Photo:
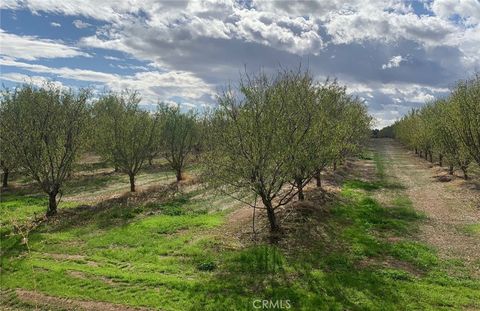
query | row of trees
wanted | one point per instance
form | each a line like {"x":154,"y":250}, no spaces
{"x":44,"y":130}
{"x":448,"y":127}
{"x":270,"y":136}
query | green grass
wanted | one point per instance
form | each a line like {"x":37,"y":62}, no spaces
{"x":20,"y":207}
{"x":472,"y":229}
{"x":360,"y":255}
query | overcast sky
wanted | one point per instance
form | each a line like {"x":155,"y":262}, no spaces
{"x":394,"y":54}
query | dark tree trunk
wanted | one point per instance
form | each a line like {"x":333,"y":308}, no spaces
{"x":426,"y":155}
{"x":420,"y":154}
{"x":464,"y":170}
{"x":299,"y":185}
{"x":440,"y":159}
{"x":272,"y":219}
{"x":318,"y":178}
{"x":416,"y":151}
{"x":450,"y":169}
{"x":52,"y":203}
{"x":150,"y":161}
{"x":430,"y":155}
{"x":5,"y":178}
{"x":132,"y":182}
{"x":334,"y":165}
{"x":179,"y":175}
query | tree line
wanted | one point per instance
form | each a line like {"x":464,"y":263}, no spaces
{"x":446,"y":127}
{"x":268,"y":136}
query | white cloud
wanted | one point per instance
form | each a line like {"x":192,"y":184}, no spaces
{"x":467,"y":10}
{"x":32,"y":48}
{"x":112,"y":58}
{"x":54,"y":24}
{"x":29,"y":79}
{"x":393,"y":62}
{"x":153,"y":85}
{"x":80,"y":24}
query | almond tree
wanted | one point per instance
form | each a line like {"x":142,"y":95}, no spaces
{"x":47,"y":126}
{"x":125,"y":133}
{"x":255,"y":140}
{"x":8,"y":158}
{"x":178,"y":136}
{"x":465,"y":100}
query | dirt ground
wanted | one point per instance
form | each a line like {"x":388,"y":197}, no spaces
{"x":449,"y":206}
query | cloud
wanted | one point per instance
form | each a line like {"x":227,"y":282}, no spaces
{"x":80,"y":24}
{"x":467,"y":10}
{"x":395,"y":54}
{"x":112,"y":58}
{"x":29,"y":79}
{"x":33,"y":48}
{"x":153,"y":85}
{"x":393,"y":62}
{"x":54,"y":24}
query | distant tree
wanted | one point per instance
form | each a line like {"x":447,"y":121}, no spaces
{"x":465,"y":101}
{"x":178,"y":136}
{"x":47,"y":127}
{"x":386,"y":132}
{"x":352,"y":128}
{"x":325,"y":112}
{"x":445,"y":126}
{"x":125,"y":133}
{"x":8,"y":158}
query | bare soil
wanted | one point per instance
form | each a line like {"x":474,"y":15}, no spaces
{"x":448,"y":205}
{"x":44,"y":301}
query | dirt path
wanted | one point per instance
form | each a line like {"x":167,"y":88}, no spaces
{"x":448,"y":206}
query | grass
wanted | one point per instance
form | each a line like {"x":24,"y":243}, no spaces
{"x":360,"y":255}
{"x":472,"y":229}
{"x":21,"y":207}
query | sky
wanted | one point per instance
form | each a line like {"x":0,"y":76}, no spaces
{"x":395,"y":55}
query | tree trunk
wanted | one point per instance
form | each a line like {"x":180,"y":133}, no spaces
{"x":420,"y":154}
{"x":464,"y":170}
{"x":132,"y":182}
{"x":150,"y":161}
{"x":299,"y":184}
{"x":450,"y":169}
{"x":426,"y":155}
{"x":440,"y":159}
{"x":334,"y":166}
{"x":179,"y":175}
{"x":318,"y":178}
{"x":5,"y":178}
{"x":430,"y":155}
{"x":416,"y":151}
{"x":52,"y":203}
{"x":272,"y":219}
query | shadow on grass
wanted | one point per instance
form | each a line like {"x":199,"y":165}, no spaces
{"x":354,"y":254}
{"x":113,"y":212}
{"x":107,"y":214}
